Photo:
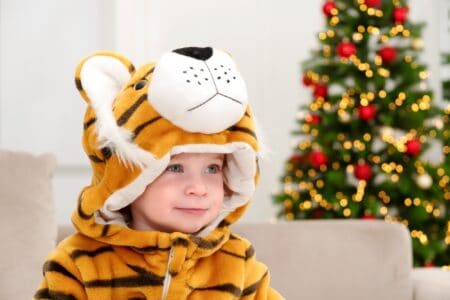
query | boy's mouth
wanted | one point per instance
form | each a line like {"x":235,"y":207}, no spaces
{"x":192,"y":211}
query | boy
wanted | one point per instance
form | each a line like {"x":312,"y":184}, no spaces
{"x":174,"y":157}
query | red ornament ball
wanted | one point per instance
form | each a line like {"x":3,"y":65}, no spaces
{"x":413,"y":147}
{"x":373,"y":3}
{"x":367,"y":113}
{"x":346,"y":49}
{"x":318,"y":159}
{"x":306,"y":80}
{"x":368,"y":216}
{"x":400,"y":14}
{"x":363,"y":171}
{"x":313,"y":119}
{"x":297,"y":158}
{"x":318,"y":214}
{"x":328,"y":7}
{"x":320,"y":90}
{"x":388,"y":54}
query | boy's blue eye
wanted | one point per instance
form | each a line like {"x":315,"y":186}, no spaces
{"x":213,"y":169}
{"x":176,"y":168}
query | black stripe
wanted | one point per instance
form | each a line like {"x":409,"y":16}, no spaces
{"x":234,"y":237}
{"x":95,"y":159}
{"x":106,"y":152}
{"x":54,"y":295}
{"x":233,"y":254}
{"x":131,"y":68}
{"x":242,"y":129}
{"x":205,"y":244}
{"x":143,"y":125}
{"x":149,"y":72}
{"x":81,"y":213}
{"x":78,"y":84}
{"x":89,"y":123}
{"x":53,"y":266}
{"x":180,"y":242}
{"x":129,"y":112}
{"x":249,"y":252}
{"x":247,"y":114}
{"x":149,"y":279}
{"x":252,"y":288}
{"x":147,"y":274}
{"x":227,"y":287}
{"x":223,"y":223}
{"x":142,"y":78}
{"x":150,"y":249}
{"x":105,"y":230}
{"x":91,"y":253}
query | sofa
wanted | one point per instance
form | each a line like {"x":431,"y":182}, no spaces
{"x":313,"y":260}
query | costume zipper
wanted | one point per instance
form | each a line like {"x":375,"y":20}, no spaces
{"x":168,"y":277}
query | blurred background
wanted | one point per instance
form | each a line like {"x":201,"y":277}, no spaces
{"x":41,"y":42}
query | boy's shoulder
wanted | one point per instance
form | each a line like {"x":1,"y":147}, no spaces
{"x":78,"y":242}
{"x":238,"y":246}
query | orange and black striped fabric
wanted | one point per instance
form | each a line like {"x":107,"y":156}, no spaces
{"x":127,"y":142}
{"x":222,"y":266}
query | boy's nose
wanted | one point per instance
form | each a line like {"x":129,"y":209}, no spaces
{"x":196,"y":187}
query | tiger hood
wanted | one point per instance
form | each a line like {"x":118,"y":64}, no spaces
{"x":191,"y":100}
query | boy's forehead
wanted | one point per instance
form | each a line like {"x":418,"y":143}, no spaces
{"x":186,"y":156}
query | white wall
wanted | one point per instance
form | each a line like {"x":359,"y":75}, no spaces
{"x":41,"y":43}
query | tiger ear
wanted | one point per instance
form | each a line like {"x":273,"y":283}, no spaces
{"x":100,"y":76}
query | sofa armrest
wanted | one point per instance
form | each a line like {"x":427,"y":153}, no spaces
{"x":431,"y":284}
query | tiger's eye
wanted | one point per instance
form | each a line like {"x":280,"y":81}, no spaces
{"x":140,"y":84}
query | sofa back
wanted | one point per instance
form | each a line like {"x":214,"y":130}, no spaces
{"x":335,"y":259}
{"x":331,"y":259}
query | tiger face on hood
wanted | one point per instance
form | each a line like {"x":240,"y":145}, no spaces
{"x":193,"y":100}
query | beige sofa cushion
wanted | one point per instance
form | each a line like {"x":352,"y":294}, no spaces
{"x":335,"y":259}
{"x":27,"y":219}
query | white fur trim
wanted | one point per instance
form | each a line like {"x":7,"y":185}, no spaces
{"x":196,"y":95}
{"x":102,"y":77}
{"x":239,"y":176}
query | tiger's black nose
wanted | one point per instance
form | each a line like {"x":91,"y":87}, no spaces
{"x":196,"y":52}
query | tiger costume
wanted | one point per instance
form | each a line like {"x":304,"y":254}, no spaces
{"x":192,"y":100}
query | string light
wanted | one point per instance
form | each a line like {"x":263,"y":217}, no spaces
{"x":347,"y":212}
{"x":373,"y":30}
{"x":384,"y":39}
{"x":359,"y":191}
{"x":357,"y":36}
{"x":334,"y":20}
{"x":422,"y":237}
{"x":408,"y":202}
{"x":382,"y":94}
{"x":384,"y":72}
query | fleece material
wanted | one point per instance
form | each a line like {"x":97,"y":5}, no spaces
{"x":129,"y":134}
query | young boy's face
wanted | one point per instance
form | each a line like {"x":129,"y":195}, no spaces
{"x":187,"y":196}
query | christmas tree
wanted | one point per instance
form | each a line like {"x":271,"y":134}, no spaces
{"x":359,"y":150}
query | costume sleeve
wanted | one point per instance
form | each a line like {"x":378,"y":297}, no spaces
{"x":61,"y":280}
{"x":257,"y":281}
